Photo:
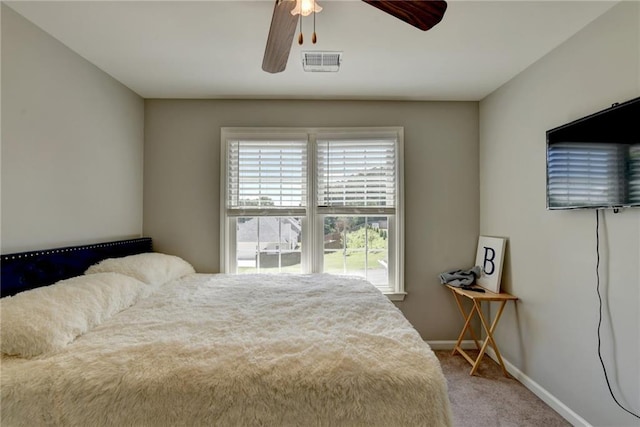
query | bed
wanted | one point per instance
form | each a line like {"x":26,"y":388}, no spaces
{"x":143,"y":340}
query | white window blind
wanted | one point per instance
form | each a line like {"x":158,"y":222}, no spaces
{"x":356,"y":173}
{"x":266,"y":174}
{"x":586,"y":174}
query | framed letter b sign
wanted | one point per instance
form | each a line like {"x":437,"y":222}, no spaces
{"x":489,"y":257}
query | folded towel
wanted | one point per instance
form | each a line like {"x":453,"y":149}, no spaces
{"x":461,"y":278}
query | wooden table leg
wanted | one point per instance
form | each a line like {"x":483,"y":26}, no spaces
{"x":458,"y":348}
{"x":489,"y":340}
{"x":467,"y":325}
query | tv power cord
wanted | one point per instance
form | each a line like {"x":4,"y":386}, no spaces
{"x":604,"y":369}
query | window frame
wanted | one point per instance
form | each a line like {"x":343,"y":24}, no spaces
{"x":312,"y":237}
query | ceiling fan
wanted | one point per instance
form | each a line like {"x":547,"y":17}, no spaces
{"x":422,"y":14}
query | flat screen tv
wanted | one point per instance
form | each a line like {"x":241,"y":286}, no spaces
{"x":594,"y":162}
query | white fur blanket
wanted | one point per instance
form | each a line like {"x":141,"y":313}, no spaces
{"x":282,"y":350}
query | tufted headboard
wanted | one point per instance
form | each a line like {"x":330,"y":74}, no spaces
{"x":28,"y":270}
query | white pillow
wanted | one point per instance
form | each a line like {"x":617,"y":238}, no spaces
{"x":152,"y":268}
{"x":46,"y":319}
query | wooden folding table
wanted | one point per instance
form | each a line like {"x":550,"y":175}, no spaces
{"x":478,"y":298}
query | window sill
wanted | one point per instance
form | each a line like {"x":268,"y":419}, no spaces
{"x":396,"y":296}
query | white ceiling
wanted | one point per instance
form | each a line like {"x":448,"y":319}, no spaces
{"x":214,"y":49}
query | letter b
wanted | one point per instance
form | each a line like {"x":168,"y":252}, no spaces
{"x":489,"y":256}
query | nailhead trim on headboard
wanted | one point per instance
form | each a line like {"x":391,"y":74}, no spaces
{"x":28,"y":270}
{"x":71,"y":249}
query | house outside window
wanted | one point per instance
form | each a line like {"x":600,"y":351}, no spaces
{"x":314,"y":201}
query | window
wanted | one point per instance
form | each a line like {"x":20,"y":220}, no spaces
{"x":314,"y":200}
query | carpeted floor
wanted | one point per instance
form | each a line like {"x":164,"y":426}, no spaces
{"x":490,"y":399}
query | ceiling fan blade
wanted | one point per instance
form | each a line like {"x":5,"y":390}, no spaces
{"x":422,"y":14}
{"x":283,"y":27}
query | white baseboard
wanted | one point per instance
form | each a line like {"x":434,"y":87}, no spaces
{"x":538,"y":390}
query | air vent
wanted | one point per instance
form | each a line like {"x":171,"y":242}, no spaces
{"x":316,"y":61}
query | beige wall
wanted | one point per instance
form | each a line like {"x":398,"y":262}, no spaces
{"x":72,"y":141}
{"x":181,"y":194}
{"x":551,"y":257}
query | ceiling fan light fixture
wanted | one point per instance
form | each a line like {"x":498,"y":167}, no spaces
{"x":421,"y":14}
{"x":306,"y":7}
